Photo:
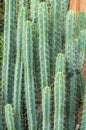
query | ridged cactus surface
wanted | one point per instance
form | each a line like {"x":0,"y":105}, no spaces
{"x":42,"y":55}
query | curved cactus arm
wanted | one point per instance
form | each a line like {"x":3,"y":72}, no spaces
{"x":43,"y":44}
{"x":18,"y":68}
{"x":81,"y":21}
{"x":60,"y":63}
{"x":9,"y":117}
{"x":81,"y":49}
{"x":72,"y":102}
{"x":9,"y":29}
{"x":28,"y":76}
{"x":34,"y":9}
{"x":70,"y":44}
{"x":46,"y":107}
{"x":59,"y":100}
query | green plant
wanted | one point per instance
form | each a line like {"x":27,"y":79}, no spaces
{"x":59,"y":99}
{"x":28,"y":76}
{"x":43,"y":44}
{"x":22,"y":16}
{"x":9,"y":117}
{"x":46,"y":107}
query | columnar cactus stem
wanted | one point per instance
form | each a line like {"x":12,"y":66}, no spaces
{"x":43,"y":44}
{"x":46,"y":108}
{"x":1,"y":59}
{"x":83,"y":121}
{"x":9,"y":44}
{"x":70,"y":45}
{"x":81,"y":21}
{"x":59,"y":99}
{"x":72,"y":103}
{"x":81,"y":49}
{"x":60,"y":63}
{"x":28,"y":76}
{"x":34,"y":9}
{"x":9,"y":117}
{"x":18,"y":68}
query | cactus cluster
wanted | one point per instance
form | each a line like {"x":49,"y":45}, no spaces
{"x":42,"y":64}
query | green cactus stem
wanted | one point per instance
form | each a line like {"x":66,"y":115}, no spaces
{"x":22,"y":16}
{"x":9,"y":44}
{"x":70,"y":45}
{"x":43,"y":44}
{"x":9,"y":117}
{"x":59,"y":99}
{"x":81,"y":21}
{"x":28,"y":76}
{"x":46,"y":108}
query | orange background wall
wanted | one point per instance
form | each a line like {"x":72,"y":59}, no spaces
{"x":78,"y":5}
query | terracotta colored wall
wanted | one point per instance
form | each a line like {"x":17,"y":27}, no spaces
{"x":78,"y":5}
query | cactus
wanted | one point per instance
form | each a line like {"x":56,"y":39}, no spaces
{"x":81,"y":49}
{"x":59,"y":99}
{"x":34,"y":10}
{"x":9,"y":117}
{"x":28,"y":76}
{"x":83,"y":121}
{"x":19,"y":66}
{"x":46,"y":107}
{"x":60,"y":63}
{"x":43,"y":44}
{"x":72,"y":102}
{"x":9,"y":43}
{"x":70,"y":45}
{"x":81,"y":21}
{"x":1,"y":59}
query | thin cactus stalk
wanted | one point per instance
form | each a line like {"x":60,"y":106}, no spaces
{"x":81,"y":21}
{"x":55,"y":32}
{"x":60,"y":63}
{"x":59,"y":100}
{"x":81,"y":49}
{"x":36,"y":63}
{"x":28,"y":76}
{"x":9,"y":117}
{"x":18,"y":68}
{"x":34,"y":10}
{"x":8,"y":61}
{"x":83,"y":121}
{"x":70,"y":45}
{"x":72,"y":102}
{"x":1,"y":60}
{"x":43,"y":44}
{"x":46,"y":107}
{"x":23,"y":3}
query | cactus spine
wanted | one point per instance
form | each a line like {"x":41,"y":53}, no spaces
{"x":9,"y":117}
{"x":43,"y":44}
{"x":46,"y":107}
{"x":18,"y":68}
{"x":28,"y":76}
{"x":59,"y":99}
